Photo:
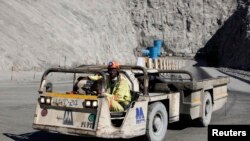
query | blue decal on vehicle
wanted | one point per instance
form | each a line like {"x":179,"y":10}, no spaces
{"x":139,"y":115}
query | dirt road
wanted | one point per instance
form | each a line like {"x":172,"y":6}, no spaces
{"x":17,"y":105}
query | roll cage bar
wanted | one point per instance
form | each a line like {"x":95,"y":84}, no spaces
{"x":96,"y":69}
{"x":99,"y":69}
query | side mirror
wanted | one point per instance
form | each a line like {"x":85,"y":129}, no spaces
{"x":49,"y":87}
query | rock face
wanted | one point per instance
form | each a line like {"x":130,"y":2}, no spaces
{"x":230,"y":44}
{"x":184,"y":25}
{"x":43,"y":33}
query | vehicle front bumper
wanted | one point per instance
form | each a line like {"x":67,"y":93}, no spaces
{"x":64,"y":130}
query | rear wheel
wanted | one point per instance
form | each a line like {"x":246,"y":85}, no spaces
{"x":207,"y":109}
{"x":157,"y":122}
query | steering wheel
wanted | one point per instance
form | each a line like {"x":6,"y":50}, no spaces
{"x":88,"y":91}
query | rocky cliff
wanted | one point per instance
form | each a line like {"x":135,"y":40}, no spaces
{"x":45,"y":33}
{"x":185,"y":25}
{"x":230,"y":45}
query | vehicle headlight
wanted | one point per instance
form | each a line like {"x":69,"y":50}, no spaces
{"x":94,"y":104}
{"x":42,"y":100}
{"x":87,"y":103}
{"x":48,"y":100}
{"x":45,"y":100}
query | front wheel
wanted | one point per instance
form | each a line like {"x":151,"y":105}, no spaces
{"x":207,"y":109}
{"x":157,"y":122}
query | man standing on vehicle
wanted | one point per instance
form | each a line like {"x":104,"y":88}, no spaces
{"x":118,"y":91}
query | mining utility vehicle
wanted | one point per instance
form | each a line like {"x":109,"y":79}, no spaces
{"x":70,"y":103}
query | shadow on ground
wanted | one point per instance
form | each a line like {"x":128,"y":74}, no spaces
{"x":185,"y":122}
{"x":45,"y":136}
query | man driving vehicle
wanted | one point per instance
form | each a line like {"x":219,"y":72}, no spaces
{"x":118,"y":91}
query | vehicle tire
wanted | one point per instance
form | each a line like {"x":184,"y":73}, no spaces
{"x":207,"y":109}
{"x":157,"y":122}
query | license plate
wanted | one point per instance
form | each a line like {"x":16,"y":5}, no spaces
{"x":72,"y":103}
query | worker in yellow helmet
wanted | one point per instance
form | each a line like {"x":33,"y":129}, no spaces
{"x":118,"y":91}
